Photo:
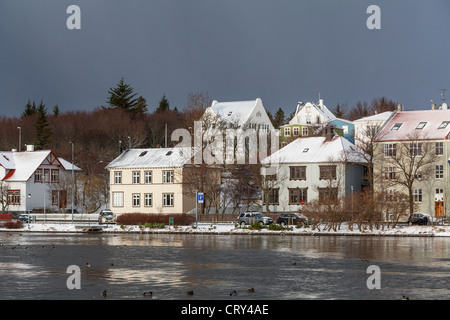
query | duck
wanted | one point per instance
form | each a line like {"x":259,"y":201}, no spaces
{"x":148,"y":294}
{"x":251,"y":290}
{"x":111,"y":264}
{"x":405,"y":298}
{"x":234,"y":293}
{"x":88,"y":265}
{"x":365,"y":261}
{"x":104,"y":293}
{"x":190,"y":293}
{"x":295,"y":263}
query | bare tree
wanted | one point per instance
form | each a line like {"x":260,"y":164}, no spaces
{"x":404,"y":163}
{"x":4,"y":188}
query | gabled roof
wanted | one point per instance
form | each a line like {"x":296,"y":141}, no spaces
{"x":319,"y":107}
{"x":376,"y":117}
{"x":22,"y":164}
{"x":416,"y":125}
{"x":152,"y":158}
{"x":317,"y":150}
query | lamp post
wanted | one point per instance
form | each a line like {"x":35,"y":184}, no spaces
{"x":20,"y":137}
{"x":73,"y":180}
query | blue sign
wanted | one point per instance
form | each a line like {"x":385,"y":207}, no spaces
{"x":199,"y":197}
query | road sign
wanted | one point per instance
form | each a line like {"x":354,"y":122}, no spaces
{"x":199,"y":197}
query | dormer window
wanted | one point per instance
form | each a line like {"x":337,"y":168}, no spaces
{"x":443,"y":125}
{"x":421,"y":125}
{"x":396,"y":126}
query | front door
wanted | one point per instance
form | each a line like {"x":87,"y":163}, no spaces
{"x":439,"y":208}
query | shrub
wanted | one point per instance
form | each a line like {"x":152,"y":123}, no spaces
{"x":12,"y":224}
{"x":157,"y":220}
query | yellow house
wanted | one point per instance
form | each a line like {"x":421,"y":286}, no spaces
{"x":150,"y":181}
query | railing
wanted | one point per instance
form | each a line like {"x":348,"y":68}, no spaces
{"x":63,"y":217}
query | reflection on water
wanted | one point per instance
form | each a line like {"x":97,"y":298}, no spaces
{"x":278,"y":267}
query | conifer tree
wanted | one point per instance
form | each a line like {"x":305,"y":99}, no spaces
{"x":30,"y":109}
{"x":278,"y":118}
{"x":56,"y":111}
{"x":122,"y":96}
{"x":163,"y":105}
{"x":43,"y":131}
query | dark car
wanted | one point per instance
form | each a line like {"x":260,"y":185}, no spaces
{"x":24,"y":217}
{"x":419,"y":218}
{"x":292,"y":218}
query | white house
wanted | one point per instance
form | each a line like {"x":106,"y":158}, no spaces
{"x":33,"y":180}
{"x":366,"y":128}
{"x":242,"y":114}
{"x":311,"y":113}
{"x":313,"y":168}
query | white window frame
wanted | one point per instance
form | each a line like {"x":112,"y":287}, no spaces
{"x":168,"y":199}
{"x":117,"y":199}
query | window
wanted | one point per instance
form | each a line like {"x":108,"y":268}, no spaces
{"x":304,"y":131}
{"x":272,"y":196}
{"x":327,"y":194}
{"x":287,"y":131}
{"x":390,"y":150}
{"x":148,"y":199}
{"x":443,"y":125}
{"x":117,"y":177}
{"x":117,"y":199}
{"x":167,"y":199}
{"x":415,"y":149}
{"x":298,"y":196}
{"x":14,"y":197}
{"x":390,"y":195}
{"x":136,"y":177}
{"x":297,"y":173}
{"x":327,"y":172}
{"x":439,"y":171}
{"x":168,"y":176}
{"x":38,"y":176}
{"x":389,"y":173}
{"x":439,"y":148}
{"x":421,"y":125}
{"x":136,"y":200}
{"x":295,"y":131}
{"x":396,"y":126}
{"x":46,"y":175}
{"x":417,"y":195}
{"x":55,"y":176}
{"x":345,"y":128}
{"x":148,"y":177}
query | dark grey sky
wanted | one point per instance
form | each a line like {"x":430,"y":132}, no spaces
{"x":281,"y":51}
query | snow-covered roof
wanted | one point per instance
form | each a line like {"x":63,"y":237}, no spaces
{"x":22,"y":164}
{"x":319,"y":107}
{"x":317,"y":150}
{"x":237,"y":112}
{"x":416,"y":125}
{"x":152,"y":158}
{"x":376,"y":117}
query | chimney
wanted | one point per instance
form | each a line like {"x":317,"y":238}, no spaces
{"x":30,"y":147}
{"x":433,"y":106}
{"x":399,"y":107}
{"x":321,"y":103}
{"x":329,"y":132}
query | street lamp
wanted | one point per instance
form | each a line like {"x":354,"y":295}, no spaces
{"x":20,"y":137}
{"x":73,"y":180}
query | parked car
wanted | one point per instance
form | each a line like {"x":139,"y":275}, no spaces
{"x":25,"y":217}
{"x":292,"y":218}
{"x":106,"y":216}
{"x":253,"y":217}
{"x":419,"y":218}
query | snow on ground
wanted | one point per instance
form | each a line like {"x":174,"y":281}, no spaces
{"x":231,"y":228}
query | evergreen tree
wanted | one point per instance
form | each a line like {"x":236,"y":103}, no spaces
{"x":339,"y":113}
{"x":278,"y":119}
{"x":43,"y":131}
{"x":56,"y":111}
{"x":140,"y":106}
{"x":122,"y":96}
{"x":30,"y":109}
{"x":163,"y":105}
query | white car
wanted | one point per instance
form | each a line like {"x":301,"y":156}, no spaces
{"x":106,"y":216}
